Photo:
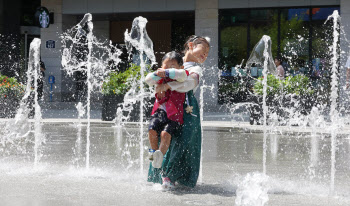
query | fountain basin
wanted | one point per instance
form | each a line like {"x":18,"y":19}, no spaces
{"x":230,"y":151}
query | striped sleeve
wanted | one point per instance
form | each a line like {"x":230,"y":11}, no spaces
{"x":179,"y":75}
{"x":152,"y":79}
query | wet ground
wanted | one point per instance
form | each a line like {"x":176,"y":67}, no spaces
{"x":298,"y":167}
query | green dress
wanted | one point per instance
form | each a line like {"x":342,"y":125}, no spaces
{"x":182,"y":161}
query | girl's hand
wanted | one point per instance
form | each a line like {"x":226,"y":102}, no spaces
{"x":161,"y":95}
{"x":162,"y":88}
{"x":161,"y":72}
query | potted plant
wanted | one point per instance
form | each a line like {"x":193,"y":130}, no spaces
{"x":292,"y":92}
{"x":114,"y":87}
{"x":11,"y":92}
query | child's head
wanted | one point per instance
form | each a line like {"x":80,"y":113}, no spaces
{"x":198,"y":47}
{"x":278,"y":61}
{"x":172,"y":60}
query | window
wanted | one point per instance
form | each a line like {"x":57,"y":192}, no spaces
{"x":299,"y":35}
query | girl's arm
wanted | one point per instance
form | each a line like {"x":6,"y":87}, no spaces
{"x":189,"y":84}
{"x":152,"y":79}
{"x":179,"y":75}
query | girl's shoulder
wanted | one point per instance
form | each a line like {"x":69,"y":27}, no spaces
{"x":195,"y":69}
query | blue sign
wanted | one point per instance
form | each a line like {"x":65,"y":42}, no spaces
{"x":51,"y":79}
{"x":50,"y":44}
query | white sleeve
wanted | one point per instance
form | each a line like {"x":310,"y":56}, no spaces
{"x":177,"y":74}
{"x":189,"y":84}
{"x":151,"y":79}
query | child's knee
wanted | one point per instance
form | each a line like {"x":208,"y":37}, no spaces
{"x":165,"y":134}
{"x":152,"y":132}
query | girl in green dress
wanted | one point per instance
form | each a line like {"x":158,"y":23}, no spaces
{"x":181,"y":163}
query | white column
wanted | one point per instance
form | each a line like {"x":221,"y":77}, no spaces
{"x":52,"y":57}
{"x":206,"y":24}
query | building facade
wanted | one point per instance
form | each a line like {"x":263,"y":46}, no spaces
{"x":234,"y":27}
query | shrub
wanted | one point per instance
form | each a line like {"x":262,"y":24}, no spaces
{"x":10,"y":88}
{"x":299,"y":85}
{"x":120,"y":82}
{"x":274,"y":85}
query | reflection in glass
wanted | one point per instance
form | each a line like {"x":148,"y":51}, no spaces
{"x":233,"y":38}
{"x":294,"y":43}
{"x":322,"y":38}
{"x":298,"y":35}
{"x":264,"y":22}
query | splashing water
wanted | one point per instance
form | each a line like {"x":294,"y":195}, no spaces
{"x":262,"y":55}
{"x":78,"y":142}
{"x":118,"y":127}
{"x":20,"y":127}
{"x":201,"y":110}
{"x":334,"y":94}
{"x":82,"y":52}
{"x":259,"y":53}
{"x":34,"y":66}
{"x":252,"y":190}
{"x":267,"y":67}
{"x":138,"y":39}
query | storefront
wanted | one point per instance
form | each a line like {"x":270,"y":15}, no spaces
{"x":299,"y":36}
{"x":234,"y":26}
{"x":167,"y":30}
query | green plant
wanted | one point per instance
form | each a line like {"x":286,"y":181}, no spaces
{"x":298,"y":85}
{"x":120,"y":82}
{"x":231,"y":87}
{"x":274,"y":85}
{"x":10,"y":88}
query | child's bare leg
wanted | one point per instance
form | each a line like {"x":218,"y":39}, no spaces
{"x":153,"y":139}
{"x":165,"y":139}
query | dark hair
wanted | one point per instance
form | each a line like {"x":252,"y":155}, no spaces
{"x":196,"y":40}
{"x":174,"y":56}
{"x":279,"y":59}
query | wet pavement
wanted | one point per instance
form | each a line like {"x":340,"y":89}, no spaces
{"x":298,"y":167}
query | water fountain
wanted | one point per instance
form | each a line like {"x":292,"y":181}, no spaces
{"x":300,"y":165}
{"x":138,"y":39}
{"x":334,"y":93}
{"x":262,"y":55}
{"x":20,"y":127}
{"x":82,"y":52}
{"x":78,"y":143}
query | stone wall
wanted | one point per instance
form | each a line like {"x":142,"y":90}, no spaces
{"x":207,"y":24}
{"x":125,"y":6}
{"x":52,"y":57}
